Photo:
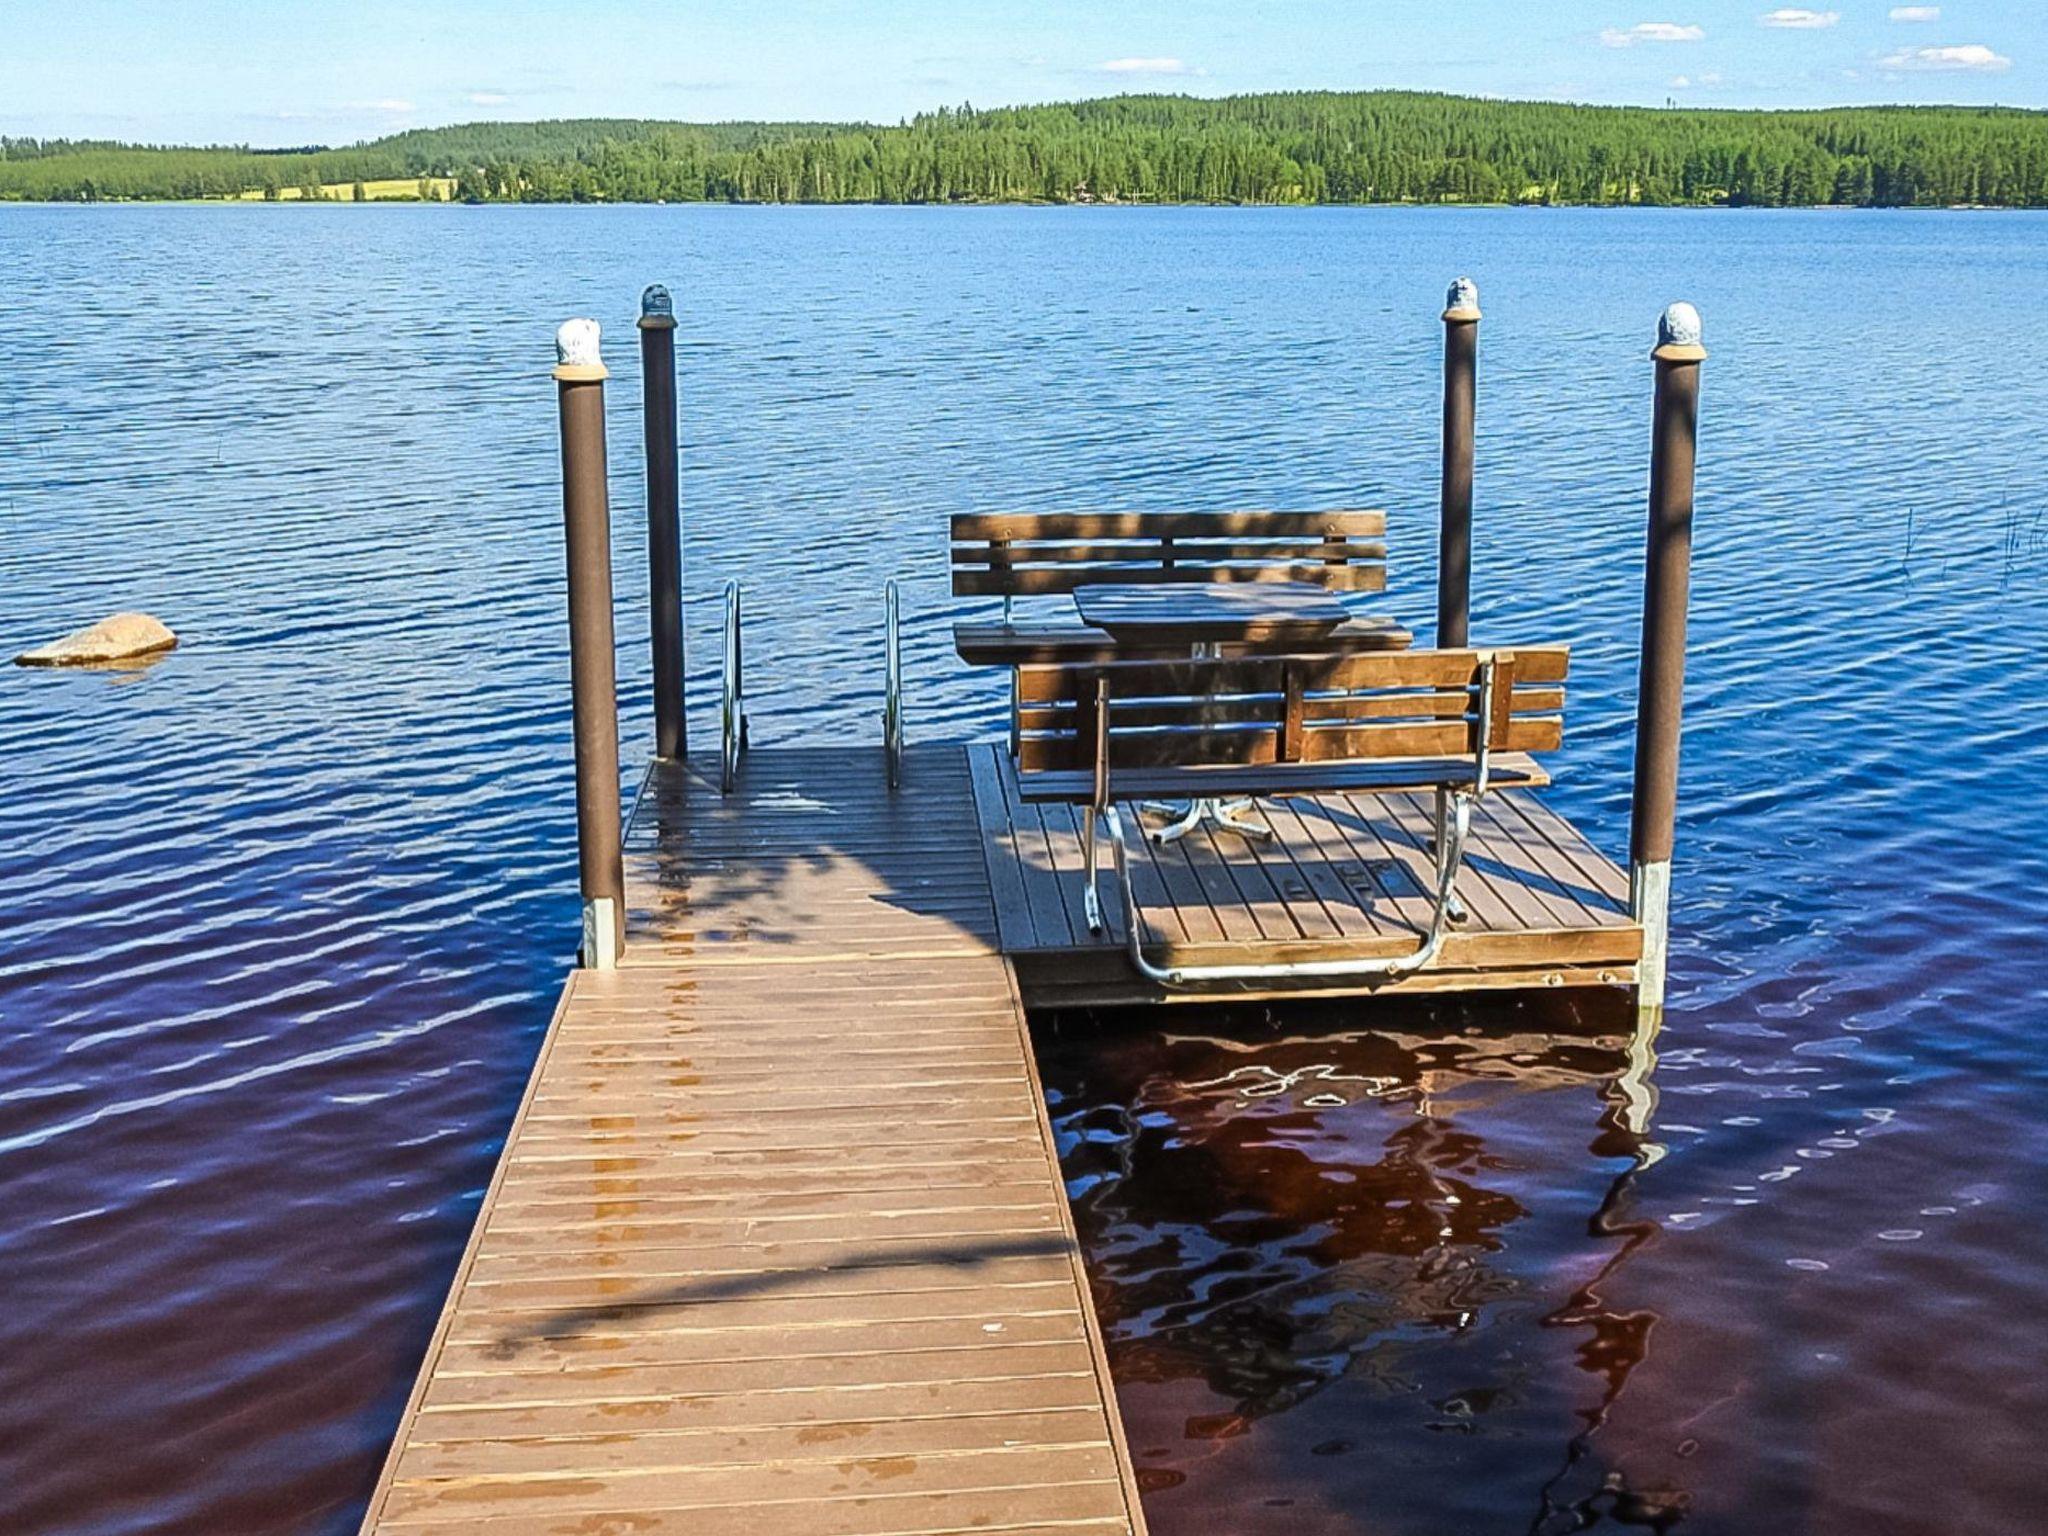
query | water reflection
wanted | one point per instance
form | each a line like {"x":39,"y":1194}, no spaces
{"x":1311,"y":1240}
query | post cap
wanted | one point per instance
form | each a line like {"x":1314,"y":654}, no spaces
{"x":1462,"y":302}
{"x":576,"y":352}
{"x":1678,"y":335}
{"x":657,"y":309}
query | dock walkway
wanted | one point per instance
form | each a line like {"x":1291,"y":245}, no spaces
{"x":778,"y":1241}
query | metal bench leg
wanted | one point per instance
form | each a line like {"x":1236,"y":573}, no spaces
{"x":1225,"y":815}
{"x":1231,"y":814}
{"x":1091,"y":901}
{"x":1456,"y":908}
{"x":732,"y":723}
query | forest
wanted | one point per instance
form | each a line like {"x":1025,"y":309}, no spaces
{"x":1301,"y":148}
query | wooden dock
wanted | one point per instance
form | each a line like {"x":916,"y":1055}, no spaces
{"x":779,"y":1239}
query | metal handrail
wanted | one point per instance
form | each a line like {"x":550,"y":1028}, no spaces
{"x":892,"y":684}
{"x":732,"y":724}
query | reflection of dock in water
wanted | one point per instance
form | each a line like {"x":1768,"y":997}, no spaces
{"x":1305,"y":1236}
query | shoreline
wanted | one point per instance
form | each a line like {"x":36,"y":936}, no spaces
{"x":980,"y":203}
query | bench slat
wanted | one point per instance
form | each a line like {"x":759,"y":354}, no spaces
{"x":1029,"y":554}
{"x":1134,"y":525}
{"x":1264,"y":674}
{"x":1190,"y":552}
{"x":1454,"y":704}
{"x":1378,"y":775}
{"x":994,"y":644}
{"x":1196,"y":748}
{"x":1041,"y":580}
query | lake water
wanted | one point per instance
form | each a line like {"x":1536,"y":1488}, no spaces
{"x":282,"y":917}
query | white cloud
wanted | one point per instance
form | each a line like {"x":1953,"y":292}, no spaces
{"x":488,"y":98}
{"x":389,"y":104}
{"x":1681,"y":83}
{"x":1795,"y":20}
{"x":1652,"y":32}
{"x":1970,"y":58}
{"x":1916,"y":13}
{"x":1144,"y":67}
{"x":1706,"y":78}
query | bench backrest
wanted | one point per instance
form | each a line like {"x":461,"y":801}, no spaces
{"x":1288,"y":709}
{"x":1024,"y":554}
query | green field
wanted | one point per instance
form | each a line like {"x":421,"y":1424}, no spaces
{"x":393,"y":189}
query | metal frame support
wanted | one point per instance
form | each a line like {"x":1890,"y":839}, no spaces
{"x":1450,"y":858}
{"x":732,"y":711}
{"x":892,"y":683}
{"x":1454,"y":830}
{"x":1454,"y":538}
{"x":1667,"y":583}
{"x":593,"y":681}
{"x":664,"y":520}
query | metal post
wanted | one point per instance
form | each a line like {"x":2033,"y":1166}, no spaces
{"x":1667,"y":580}
{"x":664,"y":520}
{"x":1454,"y":541}
{"x":593,"y":683}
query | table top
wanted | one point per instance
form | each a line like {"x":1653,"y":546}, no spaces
{"x":1195,"y":613}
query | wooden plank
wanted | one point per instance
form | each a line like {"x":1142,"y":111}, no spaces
{"x":1308,"y":898}
{"x":1100,"y":979}
{"x":729,"y":1492}
{"x":1050,"y":898}
{"x":1605,"y":878}
{"x":1371,"y":776}
{"x":1530,"y":862}
{"x":1132,"y":525}
{"x":964,"y":1433}
{"x":745,"y":1411}
{"x":992,"y":815}
{"x":1264,"y":675}
{"x":752,"y":1253}
{"x":1327,"y":864}
{"x":1068,"y":715}
{"x":1292,"y":547}
{"x":1271,"y":912}
{"x":994,"y":644}
{"x":1041,"y":580}
{"x":1008,"y":1510}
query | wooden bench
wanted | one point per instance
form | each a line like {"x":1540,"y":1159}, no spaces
{"x":1455,"y":722}
{"x":1039,"y":554}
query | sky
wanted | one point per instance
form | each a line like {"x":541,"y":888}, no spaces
{"x":286,"y":72}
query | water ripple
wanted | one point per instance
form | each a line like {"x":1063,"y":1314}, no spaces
{"x":282,"y":916}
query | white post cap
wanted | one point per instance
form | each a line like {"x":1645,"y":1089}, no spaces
{"x":576,"y":351}
{"x":1462,"y":302}
{"x":1678,"y":335}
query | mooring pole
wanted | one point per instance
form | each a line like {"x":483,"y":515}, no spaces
{"x":1454,"y":539}
{"x":1667,"y":583}
{"x":593,"y":681}
{"x":664,"y":520}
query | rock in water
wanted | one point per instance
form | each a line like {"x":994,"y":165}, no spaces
{"x":120,"y":638}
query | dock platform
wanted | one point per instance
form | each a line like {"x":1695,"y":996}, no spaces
{"x":779,"y":1241}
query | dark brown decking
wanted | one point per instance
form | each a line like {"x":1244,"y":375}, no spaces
{"x":778,"y":1241}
